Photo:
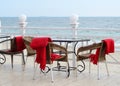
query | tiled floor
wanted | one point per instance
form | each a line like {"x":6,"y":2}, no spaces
{"x":18,"y":77}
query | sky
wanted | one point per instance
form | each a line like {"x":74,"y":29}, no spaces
{"x":55,"y":8}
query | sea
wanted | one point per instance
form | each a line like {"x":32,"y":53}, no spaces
{"x":98,"y":27}
{"x":84,"y":22}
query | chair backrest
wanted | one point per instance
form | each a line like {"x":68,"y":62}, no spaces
{"x":49,"y":50}
{"x":102,"y":52}
{"x":57,"y":49}
{"x":89,"y":47}
{"x":27,"y":41}
{"x":13,"y":46}
{"x":48,"y":54}
{"x":101,"y":46}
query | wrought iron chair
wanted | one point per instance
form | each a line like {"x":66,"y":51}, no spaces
{"x":12,"y":50}
{"x":87,"y":52}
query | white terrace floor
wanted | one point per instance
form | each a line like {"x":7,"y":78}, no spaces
{"x":17,"y":77}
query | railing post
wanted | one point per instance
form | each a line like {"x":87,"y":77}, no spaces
{"x":22,"y":23}
{"x":74,"y":24}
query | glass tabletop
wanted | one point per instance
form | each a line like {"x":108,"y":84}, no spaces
{"x":70,"y":40}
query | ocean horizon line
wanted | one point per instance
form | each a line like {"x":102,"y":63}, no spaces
{"x":63,"y":16}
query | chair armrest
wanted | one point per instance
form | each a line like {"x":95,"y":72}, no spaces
{"x":6,"y":40}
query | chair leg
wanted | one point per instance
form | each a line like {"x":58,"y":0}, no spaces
{"x":106,"y":68}
{"x":67,"y":69}
{"x":25,"y":62}
{"x":12,"y":61}
{"x":35,"y":71}
{"x":98,"y":70}
{"x":89,"y":67}
{"x":23,"y":59}
{"x":34,"y":60}
{"x":51,"y":73}
{"x":76,"y":68}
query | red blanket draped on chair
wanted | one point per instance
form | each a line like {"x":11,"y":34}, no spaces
{"x":94,"y":57}
{"x":109,"y":44}
{"x":39,"y":44}
{"x":55,"y":56}
{"x":19,"y":43}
